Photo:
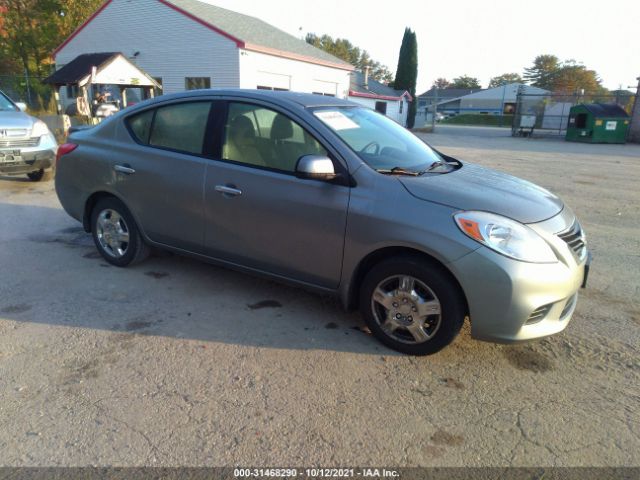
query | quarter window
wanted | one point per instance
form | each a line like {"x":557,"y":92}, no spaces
{"x":259,"y":136}
{"x":140,"y":126}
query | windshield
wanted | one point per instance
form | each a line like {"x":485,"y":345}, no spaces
{"x":6,"y":104}
{"x":379,"y":141}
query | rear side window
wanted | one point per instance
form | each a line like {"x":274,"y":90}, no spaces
{"x":177,"y":127}
{"x":180,"y":127}
{"x":140,"y":126}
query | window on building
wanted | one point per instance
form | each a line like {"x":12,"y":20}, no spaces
{"x":72,"y":91}
{"x":275,"y":89}
{"x":196,"y":83}
{"x":401,"y":105}
{"x":177,"y":127}
{"x":265,"y":138}
{"x":381,"y":107}
{"x":324,"y":94}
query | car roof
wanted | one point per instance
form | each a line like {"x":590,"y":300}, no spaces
{"x":291,"y":99}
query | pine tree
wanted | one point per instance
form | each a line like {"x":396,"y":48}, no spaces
{"x":407,"y":72}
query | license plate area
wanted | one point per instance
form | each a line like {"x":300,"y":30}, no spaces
{"x":10,"y":156}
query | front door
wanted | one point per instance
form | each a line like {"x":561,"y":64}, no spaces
{"x":258,"y":214}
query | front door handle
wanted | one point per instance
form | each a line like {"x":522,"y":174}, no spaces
{"x":228,"y":190}
{"x":124,"y":169}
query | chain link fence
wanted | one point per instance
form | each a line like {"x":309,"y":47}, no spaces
{"x":548,"y":114}
{"x":30,"y":90}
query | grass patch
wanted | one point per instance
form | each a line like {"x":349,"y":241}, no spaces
{"x":477,"y":119}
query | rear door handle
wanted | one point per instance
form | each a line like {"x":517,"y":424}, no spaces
{"x":124,"y":169}
{"x":228,"y":191}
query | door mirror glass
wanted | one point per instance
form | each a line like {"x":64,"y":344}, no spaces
{"x":22,"y":106}
{"x":316,"y":167}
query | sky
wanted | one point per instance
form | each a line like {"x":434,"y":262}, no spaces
{"x":482,"y":39}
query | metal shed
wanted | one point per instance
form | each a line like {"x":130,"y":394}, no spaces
{"x":597,"y":123}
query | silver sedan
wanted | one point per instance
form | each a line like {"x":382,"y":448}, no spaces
{"x":323,"y":193}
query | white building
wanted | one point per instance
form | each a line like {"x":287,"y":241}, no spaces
{"x":377,"y":96}
{"x":492,"y":101}
{"x":188,"y":44}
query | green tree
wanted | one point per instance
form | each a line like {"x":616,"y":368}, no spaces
{"x":441,"y":83}
{"x":541,"y":73}
{"x":572,"y":77}
{"x":348,"y":52}
{"x":505,"y":79}
{"x":407,"y":71}
{"x":465,"y":81}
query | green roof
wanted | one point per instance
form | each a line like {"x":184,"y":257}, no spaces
{"x":254,"y":34}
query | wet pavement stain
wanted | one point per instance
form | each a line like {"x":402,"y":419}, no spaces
{"x":19,"y":308}
{"x":265,"y":304}
{"x":442,"y":437}
{"x":528,"y":359}
{"x":331,"y":326}
{"x":156,"y":275}
{"x":452,"y":383}
{"x":137,"y":325}
{"x":92,"y":255}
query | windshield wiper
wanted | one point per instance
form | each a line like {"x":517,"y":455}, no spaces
{"x":398,"y":171}
{"x":413,"y":173}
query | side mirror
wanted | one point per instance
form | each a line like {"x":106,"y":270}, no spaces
{"x":22,"y":106}
{"x":315,"y":167}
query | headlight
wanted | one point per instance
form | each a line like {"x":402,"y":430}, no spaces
{"x":39,"y":129}
{"x":505,"y":236}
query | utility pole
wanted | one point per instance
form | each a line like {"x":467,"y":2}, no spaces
{"x":634,"y":128}
{"x":435,"y":110}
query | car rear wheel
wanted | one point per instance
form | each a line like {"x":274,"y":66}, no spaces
{"x":36,"y":176}
{"x":412,"y":305}
{"x":116,"y":234}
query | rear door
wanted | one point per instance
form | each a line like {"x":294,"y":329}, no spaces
{"x":258,"y":214}
{"x":161,"y":175}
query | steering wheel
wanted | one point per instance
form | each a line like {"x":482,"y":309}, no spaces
{"x":369,"y":145}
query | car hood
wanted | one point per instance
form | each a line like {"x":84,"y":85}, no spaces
{"x":473,"y":187}
{"x":15,"y":120}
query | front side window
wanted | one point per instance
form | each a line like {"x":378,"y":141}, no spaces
{"x":178,"y":127}
{"x":197,"y":83}
{"x":379,"y":141}
{"x":259,"y":136}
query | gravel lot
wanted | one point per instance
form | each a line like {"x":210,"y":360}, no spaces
{"x":175,"y":362}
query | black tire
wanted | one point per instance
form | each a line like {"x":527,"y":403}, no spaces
{"x":439,"y":282}
{"x":135,"y":249}
{"x":36,"y":176}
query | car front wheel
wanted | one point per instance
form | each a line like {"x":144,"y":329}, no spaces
{"x":36,"y":176}
{"x":116,"y":234}
{"x":412,"y":305}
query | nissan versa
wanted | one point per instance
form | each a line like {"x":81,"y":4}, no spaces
{"x":323,"y":193}
{"x":26,"y":144}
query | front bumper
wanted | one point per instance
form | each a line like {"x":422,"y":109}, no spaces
{"x":31,"y":159}
{"x":512,"y":301}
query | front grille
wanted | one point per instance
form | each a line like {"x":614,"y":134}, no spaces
{"x":27,"y":142}
{"x":575,"y":239}
{"x":539,"y":314}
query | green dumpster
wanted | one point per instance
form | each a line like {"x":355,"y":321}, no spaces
{"x":597,"y":123}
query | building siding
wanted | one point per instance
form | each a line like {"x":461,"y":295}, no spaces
{"x":257,"y":68}
{"x":171,"y":45}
